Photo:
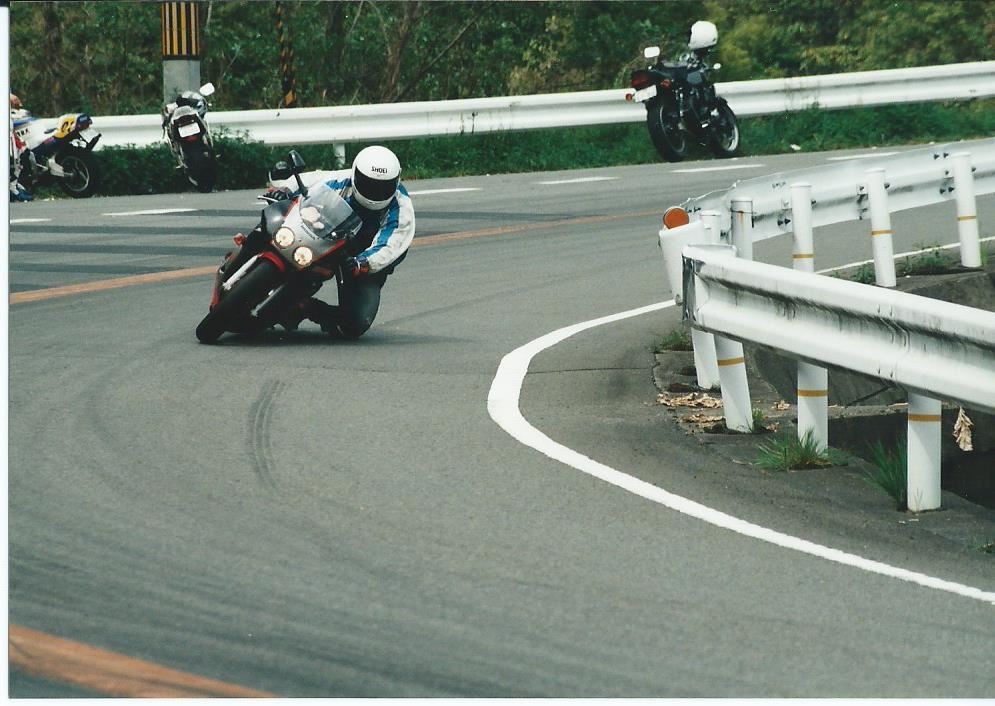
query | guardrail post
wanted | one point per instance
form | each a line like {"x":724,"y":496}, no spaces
{"x":735,"y":387}
{"x":813,"y":381}
{"x":741,"y":211}
{"x":967,"y":211}
{"x":339,"y":155}
{"x":881,"y":233}
{"x":672,"y":241}
{"x":712,"y":220}
{"x":923,"y":484}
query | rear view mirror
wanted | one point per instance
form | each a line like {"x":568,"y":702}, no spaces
{"x":651,"y":52}
{"x":296,"y":160}
{"x":716,"y":67}
{"x":207,"y":89}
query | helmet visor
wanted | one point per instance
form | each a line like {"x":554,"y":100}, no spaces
{"x":375,"y":189}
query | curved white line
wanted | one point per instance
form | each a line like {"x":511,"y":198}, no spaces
{"x":502,"y":405}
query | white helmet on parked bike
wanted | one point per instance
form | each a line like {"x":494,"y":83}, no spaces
{"x":375,"y":174}
{"x":704,"y":35}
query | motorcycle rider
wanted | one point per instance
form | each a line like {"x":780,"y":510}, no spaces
{"x":372,"y":187}
{"x":18,"y":151}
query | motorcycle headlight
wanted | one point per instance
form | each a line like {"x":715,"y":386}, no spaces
{"x":303,"y":256}
{"x":284,"y":237}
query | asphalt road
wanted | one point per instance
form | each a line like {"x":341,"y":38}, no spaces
{"x":299,"y":517}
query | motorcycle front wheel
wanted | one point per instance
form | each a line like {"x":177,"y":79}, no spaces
{"x":81,"y":178}
{"x":724,"y":134}
{"x":234,"y":311}
{"x":665,"y":132}
{"x":201,"y":169}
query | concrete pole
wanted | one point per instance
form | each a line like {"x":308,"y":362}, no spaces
{"x":924,"y":431}
{"x":180,"y":48}
{"x":881,"y":233}
{"x":967,"y":211}
{"x":813,"y":381}
{"x":742,"y":227}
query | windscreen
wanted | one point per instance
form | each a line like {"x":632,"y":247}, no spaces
{"x":324,"y":214}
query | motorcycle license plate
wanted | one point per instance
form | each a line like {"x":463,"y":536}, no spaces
{"x":644,"y":94}
{"x":187,"y":130}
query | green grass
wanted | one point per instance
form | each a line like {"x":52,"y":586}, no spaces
{"x":931,"y":261}
{"x":788,"y":452}
{"x":890,"y":473}
{"x":677,"y":339}
{"x":758,"y":425}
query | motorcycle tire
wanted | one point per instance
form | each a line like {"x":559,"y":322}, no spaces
{"x":201,"y":169}
{"x":723,"y":137}
{"x":81,"y":177}
{"x":234,"y":311}
{"x":665,"y":132}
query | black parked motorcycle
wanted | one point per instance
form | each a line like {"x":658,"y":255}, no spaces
{"x":184,"y":122}
{"x":681,"y":105}
{"x":299,"y":245}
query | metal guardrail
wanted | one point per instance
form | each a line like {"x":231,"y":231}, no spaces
{"x":932,"y":347}
{"x":364,"y":123}
{"x":915,"y":178}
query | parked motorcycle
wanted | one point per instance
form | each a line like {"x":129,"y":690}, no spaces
{"x":60,"y":155}
{"x":299,"y":244}
{"x":184,"y":123}
{"x":681,"y":102}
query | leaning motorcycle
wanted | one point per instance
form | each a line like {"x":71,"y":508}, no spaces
{"x":682,"y":106}
{"x":299,"y":244}
{"x":61,"y":155}
{"x":184,"y":123}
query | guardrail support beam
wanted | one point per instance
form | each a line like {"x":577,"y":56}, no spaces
{"x":924,"y":428}
{"x":741,"y":212}
{"x":813,"y":381}
{"x":967,"y":211}
{"x":672,"y":242}
{"x":881,"y":233}
{"x":735,"y":386}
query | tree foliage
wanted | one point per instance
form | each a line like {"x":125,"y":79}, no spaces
{"x":105,"y":57}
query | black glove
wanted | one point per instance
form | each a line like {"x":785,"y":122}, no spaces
{"x":357,"y":266}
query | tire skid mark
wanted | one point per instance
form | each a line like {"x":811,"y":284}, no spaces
{"x":109,"y":673}
{"x":260,"y":423}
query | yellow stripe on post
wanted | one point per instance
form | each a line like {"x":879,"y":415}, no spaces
{"x":967,"y":218}
{"x":813,"y":393}
{"x":731,"y":361}
{"x":936,"y":418}
{"x":881,"y":232}
{"x":180,"y":30}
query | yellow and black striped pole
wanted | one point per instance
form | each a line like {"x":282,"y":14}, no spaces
{"x":289,"y":99}
{"x":181,"y":47}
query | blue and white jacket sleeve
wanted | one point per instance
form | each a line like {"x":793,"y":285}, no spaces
{"x":395,"y":235}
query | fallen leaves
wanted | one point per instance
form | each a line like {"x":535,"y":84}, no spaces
{"x":694,"y":399}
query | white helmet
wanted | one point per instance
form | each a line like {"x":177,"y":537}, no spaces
{"x":704,"y":35}
{"x":375,"y":173}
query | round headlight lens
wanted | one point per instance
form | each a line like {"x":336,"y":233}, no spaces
{"x":303,"y":256}
{"x":284,"y":237}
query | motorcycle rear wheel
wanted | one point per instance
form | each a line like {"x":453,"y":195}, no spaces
{"x":234,"y":311}
{"x":80,"y":180}
{"x":723,"y":137}
{"x":201,"y":169}
{"x":665,"y":132}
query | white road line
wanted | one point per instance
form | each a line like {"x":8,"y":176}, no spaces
{"x":580,"y":180}
{"x":502,"y":405}
{"x":870,"y":155}
{"x":29,"y":220}
{"x":716,"y":169}
{"x":423,"y":192}
{"x":909,"y":253}
{"x":152,"y":212}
